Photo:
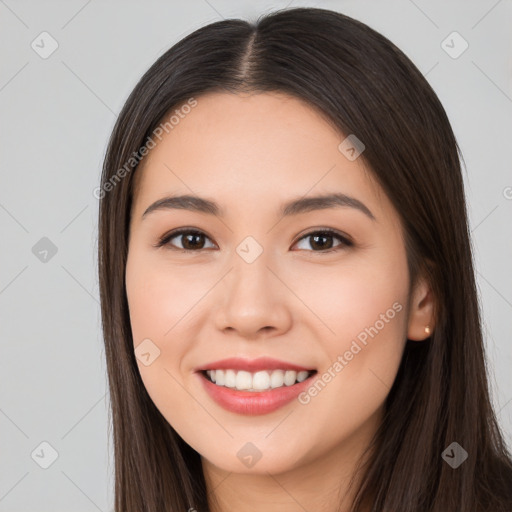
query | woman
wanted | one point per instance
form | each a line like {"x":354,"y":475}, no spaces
{"x":288,"y":296}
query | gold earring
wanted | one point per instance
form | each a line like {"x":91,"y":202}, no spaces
{"x":427,"y":329}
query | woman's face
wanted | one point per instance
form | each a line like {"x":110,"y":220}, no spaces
{"x":260,"y":283}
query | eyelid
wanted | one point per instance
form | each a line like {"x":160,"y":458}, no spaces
{"x":164,"y":239}
{"x":344,"y":238}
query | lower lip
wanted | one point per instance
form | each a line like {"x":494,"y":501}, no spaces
{"x":252,"y":403}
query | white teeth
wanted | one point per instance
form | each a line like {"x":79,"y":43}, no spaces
{"x":302,"y":376}
{"x":243,"y":380}
{"x":229,"y":378}
{"x":259,"y":381}
{"x":290,"y":377}
{"x":277,"y":379}
{"x":219,"y":377}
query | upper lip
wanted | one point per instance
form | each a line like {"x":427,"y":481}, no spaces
{"x":252,"y":365}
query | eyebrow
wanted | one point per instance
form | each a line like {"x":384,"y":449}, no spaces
{"x":293,"y":207}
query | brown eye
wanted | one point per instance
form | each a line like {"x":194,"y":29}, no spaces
{"x":322,"y":241}
{"x":191,"y":240}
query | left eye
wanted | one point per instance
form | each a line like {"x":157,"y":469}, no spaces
{"x":319,"y":238}
{"x":193,"y":240}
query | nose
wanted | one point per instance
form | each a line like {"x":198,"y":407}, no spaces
{"x":253,"y":301}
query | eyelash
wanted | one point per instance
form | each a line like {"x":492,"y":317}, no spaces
{"x":164,"y":240}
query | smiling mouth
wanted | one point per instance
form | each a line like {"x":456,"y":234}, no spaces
{"x":260,"y":381}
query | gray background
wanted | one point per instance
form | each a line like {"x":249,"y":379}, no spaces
{"x":56,"y":115}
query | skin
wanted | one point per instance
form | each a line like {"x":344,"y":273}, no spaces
{"x":250,"y":153}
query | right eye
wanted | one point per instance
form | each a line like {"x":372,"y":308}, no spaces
{"x":192,"y":242}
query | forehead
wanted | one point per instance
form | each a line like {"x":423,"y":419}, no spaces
{"x":252,"y":148}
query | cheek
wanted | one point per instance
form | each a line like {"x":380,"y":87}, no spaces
{"x":160,"y":297}
{"x":351,"y":297}
{"x":159,"y":305}
{"x":167,"y":305}
{"x":363,"y":304}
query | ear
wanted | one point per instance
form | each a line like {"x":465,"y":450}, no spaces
{"x":421,"y":312}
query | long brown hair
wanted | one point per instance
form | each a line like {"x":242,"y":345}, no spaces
{"x":366,"y":86}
